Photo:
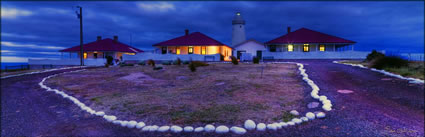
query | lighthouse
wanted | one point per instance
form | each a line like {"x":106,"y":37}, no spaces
{"x":238,"y":29}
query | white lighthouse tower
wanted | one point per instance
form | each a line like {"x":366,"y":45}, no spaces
{"x":238,"y":29}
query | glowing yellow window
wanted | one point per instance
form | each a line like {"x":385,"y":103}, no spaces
{"x":306,"y":48}
{"x":290,"y":48}
{"x":190,"y":51}
{"x":322,"y":48}
{"x":178,"y":51}
{"x":204,"y":50}
{"x":85,"y":55}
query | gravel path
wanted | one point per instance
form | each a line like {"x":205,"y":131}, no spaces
{"x":379,"y":106}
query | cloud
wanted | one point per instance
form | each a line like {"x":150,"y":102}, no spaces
{"x":13,"y":12}
{"x":12,"y":44}
{"x":32,"y":52}
{"x":19,"y":59}
{"x":14,"y":35}
{"x":156,"y":7}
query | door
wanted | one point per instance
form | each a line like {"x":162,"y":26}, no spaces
{"x":259,"y":54}
{"x":239,"y":53}
{"x":164,"y":50}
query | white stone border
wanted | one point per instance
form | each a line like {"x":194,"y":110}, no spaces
{"x":36,"y":72}
{"x":411,"y":80}
{"x":248,"y":125}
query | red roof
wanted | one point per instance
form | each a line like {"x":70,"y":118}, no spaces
{"x":104,"y":45}
{"x":304,"y":35}
{"x":193,"y":39}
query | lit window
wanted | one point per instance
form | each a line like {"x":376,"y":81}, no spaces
{"x":178,"y":51}
{"x":322,"y":48}
{"x":306,"y":48}
{"x":290,"y":47}
{"x":85,"y":55}
{"x":190,"y":51}
{"x":204,"y":49}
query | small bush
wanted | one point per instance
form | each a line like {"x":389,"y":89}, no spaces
{"x":178,"y":61}
{"x":109,"y":60}
{"x":106,"y":65}
{"x":166,"y":63}
{"x":255,"y":60}
{"x":151,"y":63}
{"x":157,"y":68}
{"x":234,"y":60}
{"x":374,"y":55}
{"x":199,"y":63}
{"x":192,"y":67}
{"x":388,"y":62}
{"x":141,"y":63}
{"x":125,"y":64}
{"x":186,"y":62}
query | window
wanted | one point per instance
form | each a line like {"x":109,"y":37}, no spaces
{"x":290,"y":48}
{"x":85,"y":55}
{"x":306,"y":48}
{"x":272,"y":48}
{"x":178,"y":50}
{"x":203,"y":50}
{"x":322,"y":48}
{"x":190,"y":50}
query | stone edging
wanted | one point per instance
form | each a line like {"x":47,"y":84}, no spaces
{"x":248,"y":125}
{"x":36,"y":72}
{"x":411,"y":80}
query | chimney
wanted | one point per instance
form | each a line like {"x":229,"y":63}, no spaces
{"x":115,"y":38}
{"x":289,"y":29}
{"x":99,"y":38}
{"x":186,"y":31}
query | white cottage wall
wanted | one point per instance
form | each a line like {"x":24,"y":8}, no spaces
{"x":249,"y":47}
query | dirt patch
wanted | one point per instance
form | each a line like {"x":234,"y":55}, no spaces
{"x":219,"y":93}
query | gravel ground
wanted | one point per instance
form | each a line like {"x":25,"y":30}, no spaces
{"x":379,"y":106}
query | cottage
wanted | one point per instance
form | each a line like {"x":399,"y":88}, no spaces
{"x":194,"y":43}
{"x":101,"y":48}
{"x":309,"y":44}
{"x":249,"y":49}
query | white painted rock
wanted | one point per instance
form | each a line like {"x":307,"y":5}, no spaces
{"x":320,"y":115}
{"x":261,"y":127}
{"x":283,"y":124}
{"x":249,"y":125}
{"x":118,"y":122}
{"x":326,"y":101}
{"x":294,"y":112}
{"x":209,"y":128}
{"x":153,"y":128}
{"x":278,"y":126}
{"x":271,"y":127}
{"x":310,"y":115}
{"x":176,"y":129}
{"x":222,"y":129}
{"x":140,"y":125}
{"x":199,"y":129}
{"x":321,"y":98}
{"x":304,"y":119}
{"x":131,"y":124}
{"x":290,"y":123}
{"x":238,"y":130}
{"x":297,"y":121}
{"x":124,"y":123}
{"x":326,"y":108}
{"x":188,"y":129}
{"x":108,"y":118}
{"x":146,"y":128}
{"x":100,"y":113}
{"x":163,"y":128}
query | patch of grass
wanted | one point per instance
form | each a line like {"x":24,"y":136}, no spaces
{"x":97,"y":100}
{"x":215,"y":113}
{"x":285,"y":116}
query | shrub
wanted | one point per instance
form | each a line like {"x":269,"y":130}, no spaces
{"x":199,"y":63}
{"x":109,"y":60}
{"x":151,"y":62}
{"x":141,"y":63}
{"x":178,"y":61}
{"x":234,"y":60}
{"x":125,"y":64}
{"x":255,"y":60}
{"x":166,"y":63}
{"x":388,"y":62}
{"x":192,"y":67}
{"x":373,"y":55}
{"x":157,"y":68}
{"x":186,"y":62}
{"x":106,"y":65}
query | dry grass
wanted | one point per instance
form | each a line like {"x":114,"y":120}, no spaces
{"x":218,"y":93}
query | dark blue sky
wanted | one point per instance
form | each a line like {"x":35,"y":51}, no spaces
{"x":40,"y":29}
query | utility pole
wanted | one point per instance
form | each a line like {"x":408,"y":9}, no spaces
{"x":80,"y":16}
